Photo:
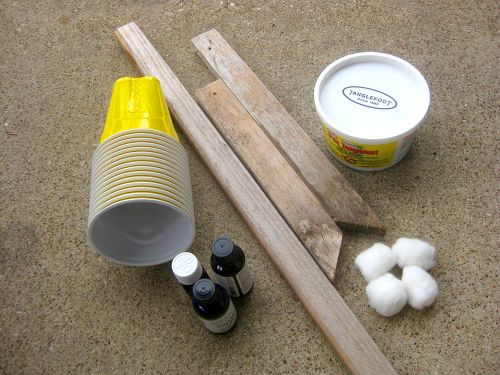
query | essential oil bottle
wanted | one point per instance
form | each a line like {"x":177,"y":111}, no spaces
{"x":228,"y":263}
{"x":213,"y":306}
{"x":188,"y":270}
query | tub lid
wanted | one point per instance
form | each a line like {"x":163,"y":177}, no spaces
{"x":371,"y":96}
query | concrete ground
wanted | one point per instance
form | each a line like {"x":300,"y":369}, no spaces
{"x":66,"y":310}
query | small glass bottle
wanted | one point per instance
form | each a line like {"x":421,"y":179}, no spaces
{"x":187,"y":270}
{"x":228,"y":263}
{"x":213,"y":306}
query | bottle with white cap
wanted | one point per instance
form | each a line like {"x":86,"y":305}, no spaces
{"x":188,"y":270}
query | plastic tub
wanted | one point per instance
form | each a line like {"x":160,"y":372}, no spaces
{"x":370,"y":105}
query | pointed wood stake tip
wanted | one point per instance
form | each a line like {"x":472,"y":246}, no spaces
{"x":376,"y":227}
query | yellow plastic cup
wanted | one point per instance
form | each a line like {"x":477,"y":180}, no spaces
{"x":138,"y":103}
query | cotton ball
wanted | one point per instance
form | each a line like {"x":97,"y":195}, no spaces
{"x":375,"y":261}
{"x":386,"y":294}
{"x":413,"y":252}
{"x":421,"y":287}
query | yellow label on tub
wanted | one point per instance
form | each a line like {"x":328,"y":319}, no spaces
{"x":360,"y":155}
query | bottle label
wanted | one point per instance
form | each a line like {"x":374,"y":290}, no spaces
{"x":239,"y":284}
{"x":359,"y":155}
{"x":229,"y":283}
{"x":245,"y":280}
{"x":224,"y":323}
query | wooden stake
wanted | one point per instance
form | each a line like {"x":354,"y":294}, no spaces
{"x":327,"y":308}
{"x":338,"y":197}
{"x":293,"y":199}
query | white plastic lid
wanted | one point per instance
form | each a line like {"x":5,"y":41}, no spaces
{"x":186,"y":268}
{"x":371,"y":96}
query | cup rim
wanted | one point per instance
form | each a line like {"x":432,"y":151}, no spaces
{"x":97,"y":205}
{"x":145,"y":161}
{"x":98,"y":154}
{"x":139,"y":176}
{"x":93,"y":211}
{"x":106,"y":191}
{"x":125,"y":133}
{"x":172,"y":160}
{"x":136,"y":170}
{"x":143,"y":137}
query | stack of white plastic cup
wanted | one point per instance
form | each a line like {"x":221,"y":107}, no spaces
{"x":141,"y":206}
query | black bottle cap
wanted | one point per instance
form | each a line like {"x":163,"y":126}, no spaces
{"x":222,"y":247}
{"x":204,"y":290}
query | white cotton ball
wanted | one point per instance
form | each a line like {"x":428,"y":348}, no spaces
{"x":375,"y":261}
{"x":421,"y":287}
{"x":386,"y":294}
{"x":413,"y":252}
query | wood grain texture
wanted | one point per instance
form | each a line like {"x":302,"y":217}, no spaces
{"x":293,"y":199}
{"x":327,"y":308}
{"x":338,"y":197}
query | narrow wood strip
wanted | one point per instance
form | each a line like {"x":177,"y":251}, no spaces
{"x":338,"y":197}
{"x":327,"y":308}
{"x":293,"y":199}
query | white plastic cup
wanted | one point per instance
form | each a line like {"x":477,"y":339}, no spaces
{"x":370,"y":105}
{"x":141,"y":232}
{"x":141,"y":207}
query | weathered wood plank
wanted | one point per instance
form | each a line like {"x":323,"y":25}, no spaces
{"x":293,"y":199}
{"x":338,"y":197}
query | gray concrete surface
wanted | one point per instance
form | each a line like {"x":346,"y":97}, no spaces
{"x":65,"y":310}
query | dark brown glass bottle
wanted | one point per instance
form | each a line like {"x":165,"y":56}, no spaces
{"x":230,"y":267}
{"x":213,"y":306}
